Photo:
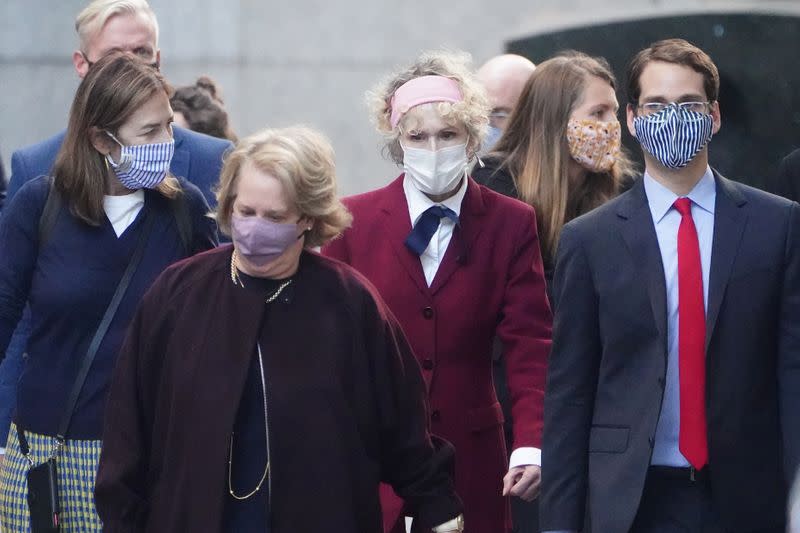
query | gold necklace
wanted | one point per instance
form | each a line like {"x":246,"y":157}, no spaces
{"x":266,"y":432}
{"x":237,"y":280}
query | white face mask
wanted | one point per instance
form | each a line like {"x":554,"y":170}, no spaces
{"x":435,"y":172}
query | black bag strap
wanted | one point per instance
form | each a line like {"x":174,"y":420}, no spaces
{"x":180,"y":211}
{"x":49,"y":213}
{"x":103,"y":328}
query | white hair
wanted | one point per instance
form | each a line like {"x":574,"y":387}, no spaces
{"x":95,"y":15}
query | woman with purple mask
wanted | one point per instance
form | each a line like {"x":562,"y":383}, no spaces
{"x":263,"y":387}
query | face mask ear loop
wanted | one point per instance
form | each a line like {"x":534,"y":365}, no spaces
{"x":125,"y":159}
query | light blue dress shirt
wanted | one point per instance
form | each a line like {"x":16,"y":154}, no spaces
{"x":667,"y":220}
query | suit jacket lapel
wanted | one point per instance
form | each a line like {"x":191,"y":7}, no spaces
{"x":639,"y":234}
{"x":181,"y":157}
{"x":729,"y":223}
{"x":464,"y":236}
{"x":398,"y":226}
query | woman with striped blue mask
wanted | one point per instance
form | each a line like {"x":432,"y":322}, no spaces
{"x":143,"y":166}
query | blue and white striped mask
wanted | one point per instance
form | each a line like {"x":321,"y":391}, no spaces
{"x":674,"y":135}
{"x":142,"y":166}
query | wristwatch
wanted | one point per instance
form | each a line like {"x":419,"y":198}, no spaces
{"x":454,"y":525}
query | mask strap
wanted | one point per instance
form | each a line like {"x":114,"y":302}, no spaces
{"x":115,"y":139}
{"x":124,"y":159}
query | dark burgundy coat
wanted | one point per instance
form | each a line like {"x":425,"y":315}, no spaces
{"x":490,"y":283}
{"x":346,"y":402}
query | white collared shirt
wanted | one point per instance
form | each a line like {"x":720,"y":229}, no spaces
{"x":418,"y":203}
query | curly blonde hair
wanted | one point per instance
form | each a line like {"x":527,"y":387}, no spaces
{"x":302,"y":160}
{"x":472,"y":111}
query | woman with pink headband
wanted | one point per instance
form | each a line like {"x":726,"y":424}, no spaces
{"x":459,"y":265}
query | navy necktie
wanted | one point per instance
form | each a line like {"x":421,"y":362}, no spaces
{"x":417,"y":241}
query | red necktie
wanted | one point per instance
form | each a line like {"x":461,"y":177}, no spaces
{"x":692,"y":442}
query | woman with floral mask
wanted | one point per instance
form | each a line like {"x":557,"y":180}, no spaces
{"x":458,"y":265}
{"x":264,"y":387}
{"x":81,"y":248}
{"x":561,"y":151}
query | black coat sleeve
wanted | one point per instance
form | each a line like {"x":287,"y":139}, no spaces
{"x":121,"y":489}
{"x":786,"y":181}
{"x":570,"y":392}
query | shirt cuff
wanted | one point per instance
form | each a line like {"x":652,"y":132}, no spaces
{"x":2,"y":451}
{"x":525,"y":457}
{"x":450,"y":525}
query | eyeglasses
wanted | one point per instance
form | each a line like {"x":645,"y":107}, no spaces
{"x":496,"y":117}
{"x":144,"y":57}
{"x":651,"y":108}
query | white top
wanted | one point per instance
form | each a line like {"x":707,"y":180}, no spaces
{"x":122,"y":210}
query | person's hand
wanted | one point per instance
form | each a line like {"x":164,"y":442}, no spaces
{"x":523,"y":482}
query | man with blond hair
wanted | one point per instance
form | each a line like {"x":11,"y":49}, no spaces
{"x":104,"y":26}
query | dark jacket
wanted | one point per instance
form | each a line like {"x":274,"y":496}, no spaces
{"x":786,"y":182}
{"x":198,"y":158}
{"x":607,"y":370}
{"x":346,"y":405}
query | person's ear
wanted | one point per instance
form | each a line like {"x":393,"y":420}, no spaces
{"x":306,"y":222}
{"x":81,"y":63}
{"x":630,"y":112}
{"x":716,"y":116}
{"x":101,"y":141}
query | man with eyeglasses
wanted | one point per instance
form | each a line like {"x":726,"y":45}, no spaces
{"x":673,"y":393}
{"x":104,"y":26}
{"x":503,"y":77}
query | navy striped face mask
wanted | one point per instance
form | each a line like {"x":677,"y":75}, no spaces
{"x":674,"y":135}
{"x":142,"y":166}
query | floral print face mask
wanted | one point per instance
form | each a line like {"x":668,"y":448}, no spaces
{"x":594,"y":144}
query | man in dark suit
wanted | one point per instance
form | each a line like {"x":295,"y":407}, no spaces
{"x":786,"y":181}
{"x":104,"y":26}
{"x":673,"y":393}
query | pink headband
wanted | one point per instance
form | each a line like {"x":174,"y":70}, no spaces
{"x":422,"y":90}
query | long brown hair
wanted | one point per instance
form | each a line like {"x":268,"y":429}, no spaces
{"x":534,"y":148}
{"x":113,"y":89}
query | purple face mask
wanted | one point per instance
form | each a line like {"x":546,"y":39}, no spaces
{"x":261,"y":241}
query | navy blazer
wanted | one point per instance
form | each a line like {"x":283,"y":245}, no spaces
{"x":607,"y":369}
{"x":197,"y":158}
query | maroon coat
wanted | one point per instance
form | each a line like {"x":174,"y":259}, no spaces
{"x":346,"y":405}
{"x":490,"y":283}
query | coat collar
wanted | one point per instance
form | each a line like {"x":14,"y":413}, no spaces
{"x":394,"y":206}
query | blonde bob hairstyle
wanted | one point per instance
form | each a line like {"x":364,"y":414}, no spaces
{"x":472,"y":111}
{"x":302,"y":160}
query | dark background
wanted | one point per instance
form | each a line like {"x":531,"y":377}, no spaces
{"x":757,"y":57}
